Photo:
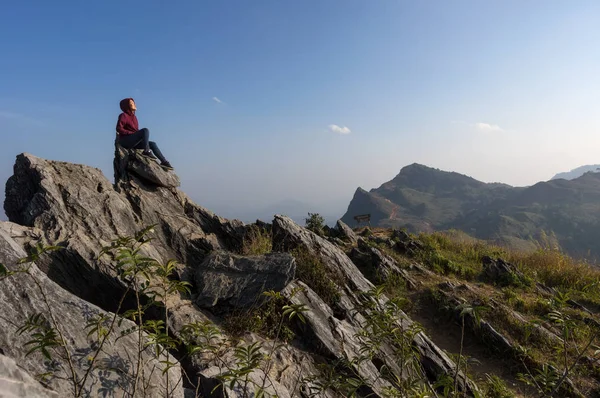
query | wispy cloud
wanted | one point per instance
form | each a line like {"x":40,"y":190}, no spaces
{"x":218,"y":101}
{"x":481,"y":127}
{"x":488,"y":128}
{"x":339,"y":129}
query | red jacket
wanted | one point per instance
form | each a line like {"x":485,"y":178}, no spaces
{"x":127,"y":123}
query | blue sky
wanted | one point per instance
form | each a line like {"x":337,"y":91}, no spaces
{"x":258,"y":102}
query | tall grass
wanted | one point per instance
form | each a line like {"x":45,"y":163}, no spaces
{"x":556,"y":269}
{"x":452,"y":253}
{"x":457,"y":253}
{"x":257,"y":241}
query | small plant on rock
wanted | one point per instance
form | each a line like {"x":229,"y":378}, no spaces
{"x":315,"y":223}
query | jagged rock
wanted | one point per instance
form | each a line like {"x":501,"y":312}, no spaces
{"x":230,"y":233}
{"x":334,"y":338}
{"x":16,"y":383}
{"x":25,"y":295}
{"x":76,"y":206}
{"x":227,"y":280}
{"x":401,"y":235}
{"x":376,"y":266}
{"x":289,"y":368}
{"x":499,"y":271}
{"x":405,"y":244}
{"x":346,"y":232}
{"x":130,"y":164}
{"x":420,"y":269}
{"x":336,"y":241}
{"x":263,"y":226}
{"x":326,"y":328}
{"x":257,"y":378}
{"x":380,"y":240}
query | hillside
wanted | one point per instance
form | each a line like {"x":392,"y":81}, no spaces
{"x":423,"y":199}
{"x":130,"y":289}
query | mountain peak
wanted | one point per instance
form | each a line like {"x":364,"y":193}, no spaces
{"x":577,"y":172}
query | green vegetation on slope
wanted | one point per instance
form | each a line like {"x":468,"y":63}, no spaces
{"x":423,"y":199}
{"x":546,"y":308}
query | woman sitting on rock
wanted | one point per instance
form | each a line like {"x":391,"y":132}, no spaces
{"x":132,"y":138}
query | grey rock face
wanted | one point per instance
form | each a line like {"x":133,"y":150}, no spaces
{"x":333,"y":337}
{"x":227,"y":280}
{"x":76,"y":206}
{"x":16,"y":383}
{"x":406,"y":244}
{"x":24,"y":295}
{"x":329,"y":331}
{"x":346,"y":232}
{"x":500,"y":271}
{"x":377,"y":266}
{"x":129,"y":163}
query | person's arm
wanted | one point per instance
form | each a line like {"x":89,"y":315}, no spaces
{"x":121,"y":129}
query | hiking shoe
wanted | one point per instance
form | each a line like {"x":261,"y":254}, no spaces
{"x":149,"y":155}
{"x":166,"y":165}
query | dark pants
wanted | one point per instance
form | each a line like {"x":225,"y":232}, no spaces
{"x":141,"y":140}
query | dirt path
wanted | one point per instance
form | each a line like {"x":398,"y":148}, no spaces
{"x":447,"y":335}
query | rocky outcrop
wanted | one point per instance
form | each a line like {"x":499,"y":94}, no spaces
{"x":329,"y":330}
{"x":130,"y":165}
{"x":77,"y":208}
{"x":500,"y":272}
{"x":227,"y":280}
{"x":377,"y":266}
{"x":27,"y":294}
{"x":16,"y":383}
{"x":335,"y":338}
{"x":346,"y":232}
{"x":405,"y":244}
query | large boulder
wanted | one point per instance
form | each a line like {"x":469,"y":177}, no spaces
{"x":501,"y":272}
{"x":227,"y":280}
{"x":346,"y":232}
{"x":26,"y":294}
{"x":377,"y":266}
{"x":130,"y":164}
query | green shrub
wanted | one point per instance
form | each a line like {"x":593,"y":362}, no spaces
{"x":315,"y":223}
{"x":311,"y":270}
{"x":267,"y":319}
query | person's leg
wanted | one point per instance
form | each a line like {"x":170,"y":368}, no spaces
{"x":132,"y":141}
{"x":144,"y":142}
{"x":157,"y":152}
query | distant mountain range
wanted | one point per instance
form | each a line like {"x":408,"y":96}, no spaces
{"x":578,"y":172}
{"x":421,"y":198}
